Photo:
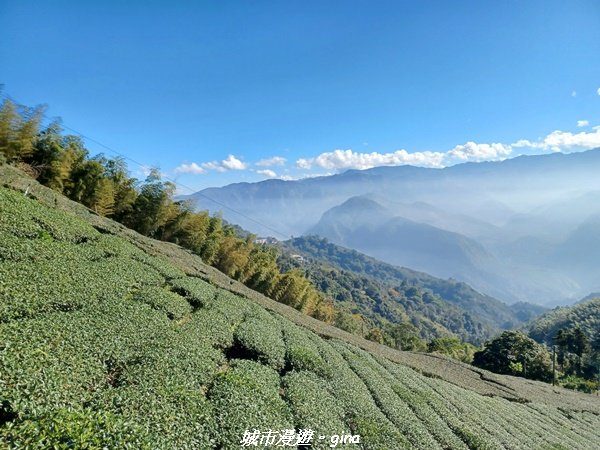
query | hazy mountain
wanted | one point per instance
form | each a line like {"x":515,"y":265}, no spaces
{"x":520,"y":229}
{"x":366,"y":226}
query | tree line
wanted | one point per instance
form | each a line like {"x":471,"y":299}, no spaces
{"x":573,"y":360}
{"x":62,"y":162}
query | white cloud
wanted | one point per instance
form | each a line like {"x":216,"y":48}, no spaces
{"x":564,"y":140}
{"x":189,"y":168}
{"x":598,"y":91}
{"x":267,"y":173}
{"x":574,"y":94}
{"x":214,"y":165}
{"x":558,"y":141}
{"x":472,"y":151}
{"x":229,"y":163}
{"x":349,"y":159}
{"x":274,"y":161}
{"x":232,"y":163}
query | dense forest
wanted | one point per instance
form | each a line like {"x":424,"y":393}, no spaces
{"x":104,"y":185}
{"x":574,"y":334}
{"x":403,"y":313}
{"x":562,"y":347}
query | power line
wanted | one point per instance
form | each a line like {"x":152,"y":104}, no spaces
{"x":144,"y":166}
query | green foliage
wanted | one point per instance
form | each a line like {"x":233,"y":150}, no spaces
{"x":585,"y":316}
{"x":301,"y":353}
{"x":381,"y":292}
{"x":198,"y":292}
{"x":260,"y":338}
{"x":385,"y":295}
{"x":314,"y":407}
{"x":579,"y":384}
{"x":19,"y":126}
{"x":360,"y":408}
{"x":160,"y":299}
{"x":515,"y":353}
{"x":80,"y":429}
{"x":454,"y":348}
{"x":246,"y":397}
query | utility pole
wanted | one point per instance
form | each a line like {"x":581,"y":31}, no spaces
{"x":553,"y":365}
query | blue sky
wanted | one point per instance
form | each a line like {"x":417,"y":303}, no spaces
{"x":226,"y":91}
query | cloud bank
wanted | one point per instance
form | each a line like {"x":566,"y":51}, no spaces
{"x":349,"y":159}
{"x":229,"y":163}
{"x":556,"y":141}
{"x":336,"y":160}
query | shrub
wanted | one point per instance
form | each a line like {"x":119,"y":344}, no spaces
{"x":80,"y":429}
{"x":198,"y":292}
{"x":246,"y":397}
{"x":260,"y":338}
{"x":314,"y":407}
{"x":160,"y":299}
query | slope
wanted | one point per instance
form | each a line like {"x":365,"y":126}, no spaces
{"x":110,"y":339}
{"x":584,"y":315}
{"x":482,"y":308}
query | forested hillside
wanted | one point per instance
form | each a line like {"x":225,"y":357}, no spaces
{"x":574,"y":334}
{"x":63,"y":163}
{"x":584,"y":315}
{"x":110,"y":339}
{"x":403,"y":312}
{"x":474,"y":316}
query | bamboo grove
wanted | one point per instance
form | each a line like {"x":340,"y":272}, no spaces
{"x":63,"y":163}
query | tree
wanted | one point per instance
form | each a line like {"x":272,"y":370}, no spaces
{"x":452,"y":347}
{"x":572,"y":341}
{"x":125,"y":192}
{"x":153,"y":207}
{"x":578,"y":344}
{"x":405,"y":336}
{"x":375,"y":335}
{"x":103,"y":200}
{"x":19,"y":127}
{"x":502,"y":355}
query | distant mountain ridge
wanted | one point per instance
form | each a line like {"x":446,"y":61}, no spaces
{"x":509,"y":216}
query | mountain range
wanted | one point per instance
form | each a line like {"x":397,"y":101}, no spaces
{"x":523,"y":229}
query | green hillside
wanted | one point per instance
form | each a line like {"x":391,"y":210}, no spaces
{"x":111,"y":340}
{"x":381,"y":292}
{"x":368,"y":302}
{"x":584,"y":315}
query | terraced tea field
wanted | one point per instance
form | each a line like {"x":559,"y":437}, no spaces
{"x":109,"y":339}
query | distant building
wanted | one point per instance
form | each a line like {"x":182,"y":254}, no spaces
{"x":265,"y":240}
{"x":297,"y":257}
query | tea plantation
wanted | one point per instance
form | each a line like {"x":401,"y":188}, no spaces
{"x":111,"y":340}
